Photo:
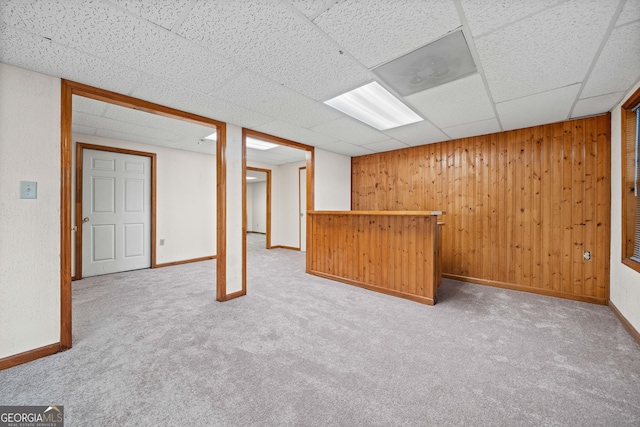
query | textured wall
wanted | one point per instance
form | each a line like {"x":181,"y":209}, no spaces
{"x":625,"y":282}
{"x":29,"y":229}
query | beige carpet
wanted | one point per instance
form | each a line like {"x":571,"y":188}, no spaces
{"x":154,"y":348}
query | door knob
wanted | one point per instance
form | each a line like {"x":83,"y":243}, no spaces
{"x":85,"y":219}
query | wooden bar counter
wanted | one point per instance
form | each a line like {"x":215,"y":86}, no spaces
{"x":393,"y":252}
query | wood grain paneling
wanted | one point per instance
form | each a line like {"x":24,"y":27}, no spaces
{"x":521,"y":206}
{"x":396,"y":253}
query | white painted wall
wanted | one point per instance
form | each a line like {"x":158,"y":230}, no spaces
{"x":249,"y":207}
{"x":259,"y":207}
{"x":235,"y":179}
{"x":332,"y":181}
{"x":286,"y":186}
{"x":186,"y":199}
{"x":625,"y":282}
{"x":29,"y":229}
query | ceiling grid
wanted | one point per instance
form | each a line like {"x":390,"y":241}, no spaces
{"x":269,"y":65}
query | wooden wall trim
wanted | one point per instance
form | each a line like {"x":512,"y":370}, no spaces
{"x":521,"y":206}
{"x":221,"y":215}
{"x":29,"y":356}
{"x":291,"y":248}
{"x":627,"y":325}
{"x":379,"y":289}
{"x":65,"y":217}
{"x":514,"y":287}
{"x":80,"y":146}
{"x":185,"y":261}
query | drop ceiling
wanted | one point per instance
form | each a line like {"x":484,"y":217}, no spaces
{"x":268,"y":65}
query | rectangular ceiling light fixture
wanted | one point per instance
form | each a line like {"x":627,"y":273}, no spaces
{"x":258,"y":144}
{"x":375,"y":106}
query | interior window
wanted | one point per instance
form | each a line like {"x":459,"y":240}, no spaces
{"x":631,"y":181}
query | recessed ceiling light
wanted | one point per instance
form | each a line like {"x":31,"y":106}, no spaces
{"x":258,"y":144}
{"x":442,"y":61}
{"x":375,"y":106}
{"x":212,"y":137}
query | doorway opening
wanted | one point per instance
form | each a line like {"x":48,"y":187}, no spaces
{"x":69,"y":89}
{"x":292,"y":158}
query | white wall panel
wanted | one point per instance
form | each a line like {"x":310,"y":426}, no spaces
{"x":332,"y":181}
{"x":625,"y":282}
{"x":30,"y":228}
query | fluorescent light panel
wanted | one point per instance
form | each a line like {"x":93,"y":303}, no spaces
{"x":249,"y":178}
{"x":258,"y":144}
{"x":375,"y":106}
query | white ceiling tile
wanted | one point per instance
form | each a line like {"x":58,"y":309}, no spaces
{"x":125,"y":136}
{"x":541,"y":108}
{"x":311,"y":8}
{"x":88,"y":105}
{"x":155,"y":121}
{"x":348,"y":129}
{"x":452,"y":104}
{"x":290,"y":154}
{"x":618,"y":66}
{"x":44,"y":56}
{"x":347,"y":149}
{"x":281,"y":45}
{"x":294,"y":133}
{"x":102,"y":123}
{"x":259,"y":94}
{"x":388,"y":145}
{"x":537,"y":54}
{"x":484,"y":16}
{"x":630,"y":12}
{"x":82,"y":129}
{"x":596,"y":105}
{"x":167,"y":93}
{"x":161,"y":12}
{"x":482,"y":127}
{"x":417,"y":134}
{"x":356,"y":25}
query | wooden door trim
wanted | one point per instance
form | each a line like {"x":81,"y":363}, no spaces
{"x":80,"y":146}
{"x":310,"y":205}
{"x":70,"y":88}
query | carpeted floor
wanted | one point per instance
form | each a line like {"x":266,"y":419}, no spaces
{"x":154,"y":348}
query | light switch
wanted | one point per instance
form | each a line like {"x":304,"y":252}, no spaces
{"x":28,"y":189}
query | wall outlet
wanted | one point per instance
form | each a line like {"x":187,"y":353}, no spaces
{"x":161,"y":242}
{"x":587,"y":255}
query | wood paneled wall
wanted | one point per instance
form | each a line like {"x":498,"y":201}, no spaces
{"x":521,"y":207}
{"x":394,"y":253}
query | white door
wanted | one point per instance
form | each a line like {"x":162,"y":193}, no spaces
{"x":116,"y":212}
{"x":303,"y":209}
